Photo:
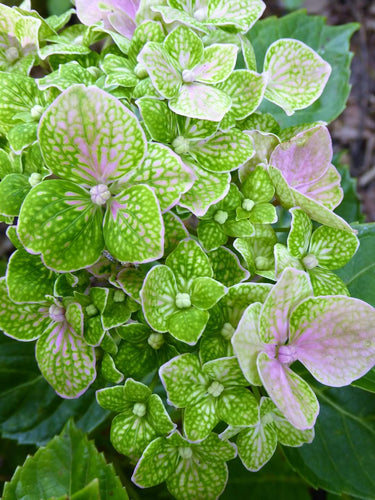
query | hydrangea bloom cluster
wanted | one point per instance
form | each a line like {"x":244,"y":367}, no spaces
{"x":144,"y":189}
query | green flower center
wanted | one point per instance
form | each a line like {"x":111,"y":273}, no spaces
{"x":215,"y":389}
{"x":188,"y":76}
{"x":119,"y":296}
{"x":35,"y":178}
{"x":247,"y":204}
{"x":310,"y":261}
{"x":11,"y":54}
{"x":183,"y":300}
{"x":181,"y":145}
{"x":91,"y":310}
{"x":140,"y":71}
{"x":156,"y":340}
{"x":56,"y":313}
{"x":227,"y":331}
{"x":221,"y":217}
{"x":100,"y":194}
{"x":36,"y":111}
{"x":261,"y":263}
{"x":185,"y":452}
{"x":139,"y":409}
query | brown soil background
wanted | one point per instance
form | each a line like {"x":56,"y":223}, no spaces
{"x":354,"y":130}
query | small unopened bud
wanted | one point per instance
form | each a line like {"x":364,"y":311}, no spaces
{"x":181,"y":145}
{"x":100,"y":194}
{"x":215,"y":389}
{"x":185,"y":452}
{"x":183,"y":300}
{"x":227,"y":331}
{"x":310,"y":261}
{"x":12,"y":54}
{"x":139,"y":409}
{"x":201,"y":14}
{"x":91,"y":310}
{"x":56,"y":313}
{"x":261,"y":263}
{"x":156,"y":340}
{"x":221,"y":217}
{"x":119,"y":296}
{"x":140,"y":71}
{"x":36,"y":111}
{"x":35,"y":178}
{"x":188,"y":76}
{"x":247,"y":204}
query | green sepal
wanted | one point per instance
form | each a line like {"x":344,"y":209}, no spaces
{"x":205,"y":292}
{"x":174,"y":232}
{"x":109,"y":370}
{"x":237,"y":407}
{"x":326,"y":282}
{"x":332,"y":247}
{"x":160,"y":121}
{"x":13,"y":190}
{"x":226,"y":267}
{"x":300,"y":233}
{"x":67,"y":75}
{"x":131,"y":281}
{"x":112,"y":399}
{"x":211,"y":235}
{"x":58,"y":220}
{"x":28,"y":280}
{"x":116,"y":311}
{"x":187,"y":325}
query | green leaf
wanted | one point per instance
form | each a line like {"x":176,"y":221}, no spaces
{"x":133,"y":225}
{"x":13,"y":190}
{"x":275,"y":480}
{"x":64,"y":467}
{"x":359,"y":274}
{"x":28,"y":280}
{"x":59,"y":220}
{"x":350,"y":207}
{"x":367,"y":382}
{"x":31,"y":412}
{"x":331,"y":42}
{"x":340,"y":459}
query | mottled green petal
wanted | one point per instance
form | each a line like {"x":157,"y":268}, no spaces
{"x":256,"y":446}
{"x":112,"y":398}
{"x":205,"y":292}
{"x":184,"y":46}
{"x":200,"y":419}
{"x":300,"y":233}
{"x":333,"y":247}
{"x":187,"y":325}
{"x":160,"y":121}
{"x":326,"y":282}
{"x":226,"y":266}
{"x":284,"y":259}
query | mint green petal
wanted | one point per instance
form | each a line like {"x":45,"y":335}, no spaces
{"x":59,"y":220}
{"x":201,"y":101}
{"x":198,"y":481}
{"x":326,"y":282}
{"x":187,"y":325}
{"x":207,"y":190}
{"x":28,"y":279}
{"x":22,"y":321}
{"x":289,"y":61}
{"x":238,"y":407}
{"x":161,"y":68}
{"x":184,"y":380}
{"x":113,"y":399}
{"x":109,"y":371}
{"x":13,"y":190}
{"x":264,"y":213}
{"x":74,"y":145}
{"x":284,"y":259}
{"x":205,"y":292}
{"x":157,"y":463}
{"x":136,"y":391}
{"x":256,"y":446}
{"x":240,"y":14}
{"x":224,"y":152}
{"x":226,"y":266}
{"x":333,"y":247}
{"x":246,"y":89}
{"x":184,"y":46}
{"x":188,"y":261}
{"x":133,"y":226}
{"x":247,"y":343}
{"x":65,"y":360}
{"x":300,"y":233}
{"x":163,"y":171}
{"x":258,"y":186}
{"x":158,"y":416}
{"x":130,"y":434}
{"x":158,"y":297}
{"x":200,"y":419}
{"x":225,"y":370}
{"x":210,"y":235}
{"x":160,"y":121}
